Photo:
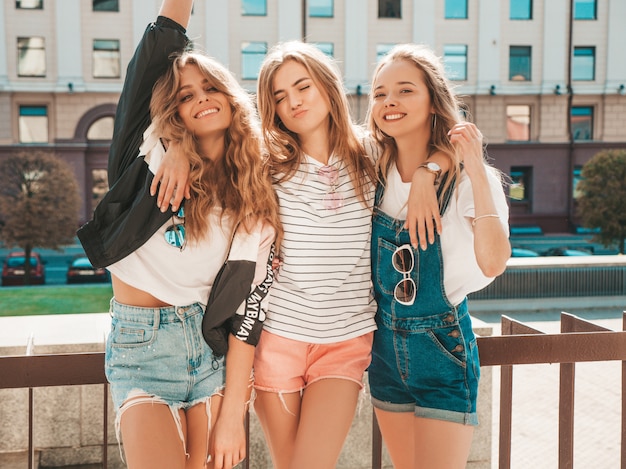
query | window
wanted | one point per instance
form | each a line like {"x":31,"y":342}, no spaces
{"x":254,"y":7}
{"x":519,"y":63}
{"x":518,"y":123}
{"x":33,"y":124}
{"x":581,"y":121}
{"x":455,"y":9}
{"x":29,"y":4}
{"x":583,"y":65}
{"x":381,"y":50}
{"x":455,"y":61}
{"x":576,"y":177}
{"x":252,"y":54}
{"x":389,"y":9}
{"x":321,"y":8}
{"x":520,"y":188}
{"x":106,"y":5}
{"x":585,"y":10}
{"x":31,"y":57}
{"x":106,"y":58}
{"x":521,"y":9}
{"x":102,"y":129}
{"x":327,"y":48}
{"x":100,"y":186}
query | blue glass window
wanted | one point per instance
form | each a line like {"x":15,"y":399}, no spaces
{"x":327,"y":48}
{"x":455,"y":61}
{"x":456,"y":9}
{"x":33,"y":124}
{"x":106,"y":5}
{"x":520,"y":63}
{"x":106,"y":58}
{"x":31,"y":57}
{"x":321,"y":8}
{"x":585,"y":10}
{"x":252,"y":55}
{"x":581,"y":121}
{"x":389,"y":9}
{"x":583,"y":65}
{"x":29,"y":4}
{"x":521,"y":9}
{"x":254,"y":7}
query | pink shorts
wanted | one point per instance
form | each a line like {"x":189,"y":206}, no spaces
{"x":286,"y":365}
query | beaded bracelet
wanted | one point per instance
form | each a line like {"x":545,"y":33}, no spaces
{"x":489,"y":215}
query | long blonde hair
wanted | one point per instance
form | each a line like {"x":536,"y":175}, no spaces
{"x":286,"y":153}
{"x":239,"y":182}
{"x":447,"y":107}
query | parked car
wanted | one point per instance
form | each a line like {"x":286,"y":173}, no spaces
{"x":14,"y":269}
{"x":523,"y":252}
{"x":81,"y":271}
{"x":565,"y":251}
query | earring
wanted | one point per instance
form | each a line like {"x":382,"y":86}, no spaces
{"x":434,"y":120}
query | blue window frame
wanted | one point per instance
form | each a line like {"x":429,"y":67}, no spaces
{"x":252,"y":55}
{"x":455,"y":61}
{"x":585,"y":10}
{"x":321,"y":8}
{"x":455,"y":9}
{"x":381,"y":50}
{"x":327,"y":48}
{"x":520,"y":63}
{"x":254,"y":7}
{"x":581,"y":121}
{"x":584,"y":64}
{"x":521,"y":9}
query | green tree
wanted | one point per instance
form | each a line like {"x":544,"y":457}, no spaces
{"x":39,"y":203}
{"x":602,"y":197}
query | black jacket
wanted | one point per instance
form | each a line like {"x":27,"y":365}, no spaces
{"x":127,"y":216}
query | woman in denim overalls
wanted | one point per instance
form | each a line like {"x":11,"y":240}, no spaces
{"x":425,"y":368}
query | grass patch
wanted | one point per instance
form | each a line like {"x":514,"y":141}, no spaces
{"x":62,"y":299}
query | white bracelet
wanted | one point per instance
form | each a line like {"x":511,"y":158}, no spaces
{"x":489,"y":215}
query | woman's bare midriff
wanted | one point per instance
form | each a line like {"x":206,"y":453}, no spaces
{"x":128,"y":295}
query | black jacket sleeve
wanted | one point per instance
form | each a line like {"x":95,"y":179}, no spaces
{"x":127,"y":216}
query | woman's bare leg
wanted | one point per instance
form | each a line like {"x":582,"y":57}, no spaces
{"x":326,"y":414}
{"x":279,"y":419}
{"x":441,"y":444}
{"x":151,"y":438}
{"x":397,"y":430}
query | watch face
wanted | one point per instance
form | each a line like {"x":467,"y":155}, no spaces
{"x":433,"y":166}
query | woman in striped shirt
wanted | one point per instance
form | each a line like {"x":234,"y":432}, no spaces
{"x":317,"y":337}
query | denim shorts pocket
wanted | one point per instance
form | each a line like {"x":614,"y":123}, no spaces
{"x":450,"y":341}
{"x":386,"y":276}
{"x":127,"y":334}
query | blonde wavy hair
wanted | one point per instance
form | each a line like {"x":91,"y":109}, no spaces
{"x":447,"y":107}
{"x":240,"y":182}
{"x":284,"y":146}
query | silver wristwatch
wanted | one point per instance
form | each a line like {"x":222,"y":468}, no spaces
{"x":433,"y":168}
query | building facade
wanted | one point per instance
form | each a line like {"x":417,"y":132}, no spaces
{"x":543,"y":79}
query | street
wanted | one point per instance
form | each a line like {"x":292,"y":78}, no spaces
{"x":55,"y":262}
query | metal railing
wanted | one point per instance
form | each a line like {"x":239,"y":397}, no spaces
{"x":578,"y":341}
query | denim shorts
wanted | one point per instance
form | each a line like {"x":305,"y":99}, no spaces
{"x":160,"y":352}
{"x":426,"y":365}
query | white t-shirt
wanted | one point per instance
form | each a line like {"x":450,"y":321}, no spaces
{"x":184,"y":277}
{"x":461,"y":272}
{"x":322,"y":293}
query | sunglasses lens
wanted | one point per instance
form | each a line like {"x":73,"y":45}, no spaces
{"x":405,"y":291}
{"x":328,"y":175}
{"x":403,"y":260}
{"x":333,"y":201}
{"x":175,"y":235}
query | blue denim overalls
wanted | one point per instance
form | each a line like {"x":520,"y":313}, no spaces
{"x":424,"y":357}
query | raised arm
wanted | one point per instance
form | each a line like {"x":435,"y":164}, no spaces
{"x":177,"y":10}
{"x":491,"y":243}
